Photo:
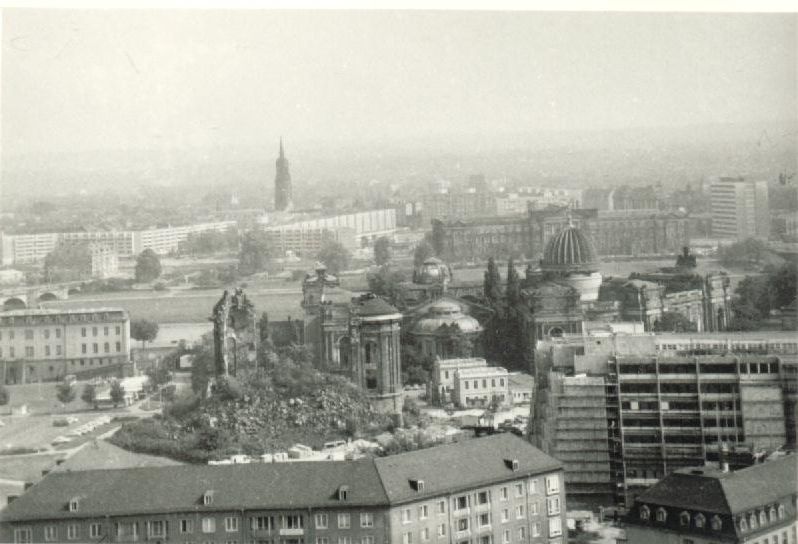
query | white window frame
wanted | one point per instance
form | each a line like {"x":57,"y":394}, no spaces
{"x":322,"y":520}
{"x":555,"y":527}
{"x":552,"y":484}
{"x":520,"y":511}
{"x":50,"y":533}
{"x":553,"y":506}
{"x":344,"y":520}
{"x":95,"y":530}
{"x":187,"y":527}
{"x":423,"y":511}
{"x":151,"y":525}
{"x":23,"y":535}
{"x":208,"y":525}
{"x":366,"y":520}
{"x":231,"y":524}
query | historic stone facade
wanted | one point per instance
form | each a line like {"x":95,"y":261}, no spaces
{"x":356,"y":336}
{"x":629,"y":232}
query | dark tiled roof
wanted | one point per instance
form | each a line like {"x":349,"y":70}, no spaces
{"x":180,"y":488}
{"x":461,"y":465}
{"x":726,"y":492}
{"x":372,"y":482}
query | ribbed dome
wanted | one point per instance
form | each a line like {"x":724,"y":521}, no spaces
{"x":569,"y":251}
{"x":447,"y":313}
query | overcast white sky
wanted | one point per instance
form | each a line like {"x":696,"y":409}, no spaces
{"x":83,"y":80}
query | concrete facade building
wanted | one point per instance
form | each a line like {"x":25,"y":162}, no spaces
{"x":740,"y":208}
{"x":45,"y":345}
{"x":487,"y":491}
{"x":368,"y":225}
{"x":32,"y":248}
{"x":624,"y":410}
{"x":308,"y":242}
{"x":707,"y":504}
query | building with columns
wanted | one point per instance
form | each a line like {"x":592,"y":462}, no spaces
{"x":356,"y":336}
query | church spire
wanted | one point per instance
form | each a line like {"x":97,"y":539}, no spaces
{"x":282,"y":182}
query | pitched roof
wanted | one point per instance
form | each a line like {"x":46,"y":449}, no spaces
{"x":372,"y":482}
{"x":370,"y":305}
{"x":180,"y":488}
{"x":710,"y":490}
{"x":461,"y":465}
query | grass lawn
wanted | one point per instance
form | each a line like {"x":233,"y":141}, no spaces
{"x":184,"y":307}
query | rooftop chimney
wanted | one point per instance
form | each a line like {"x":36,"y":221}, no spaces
{"x":723,"y":457}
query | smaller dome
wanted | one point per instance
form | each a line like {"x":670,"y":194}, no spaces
{"x":446,"y":312}
{"x":569,"y":251}
{"x":432,"y":270}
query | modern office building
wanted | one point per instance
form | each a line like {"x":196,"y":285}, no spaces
{"x":308,"y":242}
{"x":367,"y":226}
{"x":624,"y":410}
{"x":706,"y":504}
{"x":44,"y":345}
{"x":740,"y":208}
{"x":497,"y":489}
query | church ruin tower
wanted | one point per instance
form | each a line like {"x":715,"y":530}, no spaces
{"x":282,"y":182}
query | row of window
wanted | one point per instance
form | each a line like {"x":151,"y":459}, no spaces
{"x":57,"y":350}
{"x":484,"y":383}
{"x":96,"y":347}
{"x":344,"y":520}
{"x":773,"y":514}
{"x":555,"y":530}
{"x":46,"y":333}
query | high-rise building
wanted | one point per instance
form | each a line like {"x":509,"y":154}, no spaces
{"x":621,"y":411}
{"x":739,"y":208}
{"x":282,"y":183}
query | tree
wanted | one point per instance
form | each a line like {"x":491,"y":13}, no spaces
{"x":513,"y":284}
{"x":5,"y":395}
{"x":674,"y":322}
{"x":148,"y":266}
{"x":438,"y":237}
{"x":492,"y":282}
{"x":117,"y":393}
{"x":68,"y":262}
{"x":385,"y":281}
{"x":382,"y":250}
{"x":334,"y":256}
{"x":256,"y":252}
{"x":65,"y":392}
{"x":89,"y":395}
{"x":422,"y":252}
{"x":143,"y":330}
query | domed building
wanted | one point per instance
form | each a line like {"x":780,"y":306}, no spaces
{"x":444,"y":330}
{"x":432,"y":271}
{"x":570,"y":259}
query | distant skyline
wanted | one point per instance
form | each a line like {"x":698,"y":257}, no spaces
{"x":75,"y":81}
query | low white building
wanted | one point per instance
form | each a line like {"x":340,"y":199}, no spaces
{"x":441,"y":382}
{"x":481,"y":386}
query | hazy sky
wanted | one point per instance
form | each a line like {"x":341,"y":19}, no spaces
{"x":82,"y":80}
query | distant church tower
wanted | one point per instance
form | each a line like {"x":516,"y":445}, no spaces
{"x":282,"y":183}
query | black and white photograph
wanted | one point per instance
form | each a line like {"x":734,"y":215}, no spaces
{"x":399,"y":274}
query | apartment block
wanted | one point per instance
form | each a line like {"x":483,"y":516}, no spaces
{"x":308,"y":242}
{"x":32,"y":248}
{"x":492,"y":490}
{"x":740,"y":208}
{"x":705,"y":505}
{"x":44,"y":345}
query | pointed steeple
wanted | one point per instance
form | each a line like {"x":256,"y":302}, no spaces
{"x":282,"y":182}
